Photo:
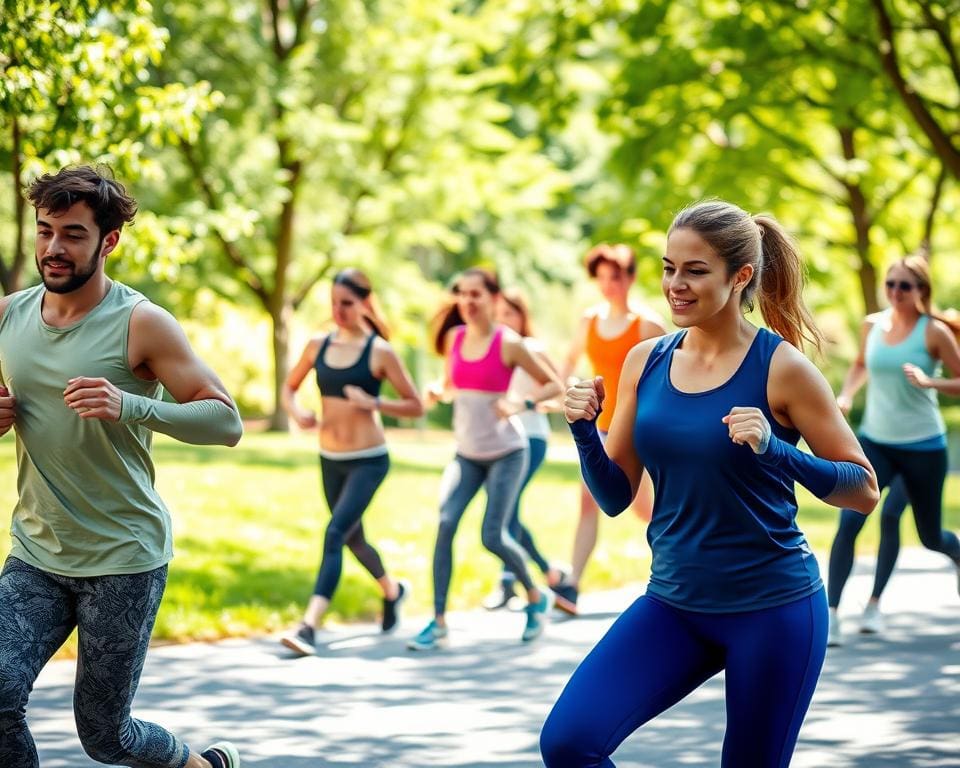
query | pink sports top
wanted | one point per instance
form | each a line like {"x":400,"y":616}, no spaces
{"x":479,"y":432}
{"x":487,"y":374}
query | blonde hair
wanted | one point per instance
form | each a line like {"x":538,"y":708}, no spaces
{"x":778,"y":274}
{"x":919,"y":268}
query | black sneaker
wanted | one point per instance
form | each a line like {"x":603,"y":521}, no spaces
{"x":500,"y":597}
{"x":302,"y":641}
{"x":565,"y":598}
{"x":391,"y":608}
{"x":222,"y":755}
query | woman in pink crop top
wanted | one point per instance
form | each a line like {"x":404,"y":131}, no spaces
{"x":491,"y":444}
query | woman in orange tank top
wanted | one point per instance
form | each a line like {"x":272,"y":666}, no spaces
{"x":606,"y":333}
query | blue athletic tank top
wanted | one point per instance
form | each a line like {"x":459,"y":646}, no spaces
{"x":723,"y":532}
{"x":331,"y":381}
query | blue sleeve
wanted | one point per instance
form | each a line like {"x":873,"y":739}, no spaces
{"x":821,"y":477}
{"x":608,"y":484}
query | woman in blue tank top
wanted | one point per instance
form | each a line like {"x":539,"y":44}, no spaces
{"x":902,"y":432}
{"x":714,"y":413}
{"x":350,"y":362}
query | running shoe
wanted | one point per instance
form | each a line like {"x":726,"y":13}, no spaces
{"x":871,"y":623}
{"x":391,"y":608}
{"x":222,"y":755}
{"x":500,"y":597}
{"x":834,"y":636}
{"x":536,"y":618}
{"x":565,"y":598}
{"x":557,"y":575}
{"x":433,"y":636}
{"x":302,"y":641}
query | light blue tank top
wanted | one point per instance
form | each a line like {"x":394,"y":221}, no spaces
{"x":896,"y":411}
{"x":723,"y":534}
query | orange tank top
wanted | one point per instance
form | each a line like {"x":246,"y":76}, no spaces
{"x":607,"y":356}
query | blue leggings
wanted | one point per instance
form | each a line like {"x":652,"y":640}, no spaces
{"x":655,"y":654}
{"x":921,"y":474}
{"x":114,"y":615}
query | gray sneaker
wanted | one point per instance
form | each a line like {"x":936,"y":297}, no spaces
{"x":871,"y":623}
{"x":834,"y":636}
{"x":302,"y":641}
{"x":222,"y":755}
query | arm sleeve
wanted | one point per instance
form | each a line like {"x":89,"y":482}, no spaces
{"x":608,"y":483}
{"x":201,"y":422}
{"x":821,"y":477}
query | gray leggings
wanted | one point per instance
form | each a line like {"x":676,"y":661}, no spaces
{"x":115,"y":615}
{"x":461,"y":480}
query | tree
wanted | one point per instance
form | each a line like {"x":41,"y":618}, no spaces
{"x":780,"y":106}
{"x":349,"y":132}
{"x":74,"y":90}
{"x":917,"y":47}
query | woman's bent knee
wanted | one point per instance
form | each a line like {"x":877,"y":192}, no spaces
{"x":563,"y":747}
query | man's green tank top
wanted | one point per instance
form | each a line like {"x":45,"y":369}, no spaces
{"x":87,"y":504}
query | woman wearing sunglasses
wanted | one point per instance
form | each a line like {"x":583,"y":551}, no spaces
{"x":902,"y":432}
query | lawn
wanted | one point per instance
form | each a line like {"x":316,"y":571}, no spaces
{"x":249,"y":524}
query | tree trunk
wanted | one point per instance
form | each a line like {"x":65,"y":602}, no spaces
{"x":280,"y":320}
{"x":862,"y":223}
{"x":11,"y":277}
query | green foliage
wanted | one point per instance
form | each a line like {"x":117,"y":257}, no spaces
{"x":271,"y":144}
{"x":75,"y":90}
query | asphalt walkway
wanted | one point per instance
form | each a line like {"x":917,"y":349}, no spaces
{"x":890,"y":702}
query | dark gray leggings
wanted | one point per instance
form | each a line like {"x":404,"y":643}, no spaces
{"x":349,"y":486}
{"x":115,"y":615}
{"x":922,"y":474}
{"x":461,"y":480}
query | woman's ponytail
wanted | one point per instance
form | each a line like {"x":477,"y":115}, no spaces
{"x":780,"y":290}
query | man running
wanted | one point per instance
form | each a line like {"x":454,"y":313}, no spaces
{"x":83,"y":362}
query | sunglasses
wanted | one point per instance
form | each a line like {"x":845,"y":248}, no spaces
{"x":903,"y":285}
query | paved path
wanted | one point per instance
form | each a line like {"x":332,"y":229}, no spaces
{"x":890,"y":703}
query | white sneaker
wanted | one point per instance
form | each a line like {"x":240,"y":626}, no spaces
{"x":871,"y":623}
{"x":834,"y":636}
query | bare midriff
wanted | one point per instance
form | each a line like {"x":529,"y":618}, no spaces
{"x":346,"y":427}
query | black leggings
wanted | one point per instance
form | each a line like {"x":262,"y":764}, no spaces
{"x":115,"y":615}
{"x":923,"y":474}
{"x":349,"y":486}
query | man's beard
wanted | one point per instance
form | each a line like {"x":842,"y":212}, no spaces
{"x":74,"y":281}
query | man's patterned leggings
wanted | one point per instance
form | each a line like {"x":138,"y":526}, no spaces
{"x":114,"y":615}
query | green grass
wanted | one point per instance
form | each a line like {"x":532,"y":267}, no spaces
{"x":249,"y":524}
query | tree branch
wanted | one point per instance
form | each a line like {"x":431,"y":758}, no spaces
{"x":248,"y":274}
{"x":941,"y":142}
{"x":807,"y":151}
{"x":941,"y":27}
{"x":926,"y":243}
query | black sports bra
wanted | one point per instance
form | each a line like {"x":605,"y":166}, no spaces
{"x":331,"y":381}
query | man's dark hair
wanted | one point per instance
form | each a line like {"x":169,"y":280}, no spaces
{"x":111,"y":205}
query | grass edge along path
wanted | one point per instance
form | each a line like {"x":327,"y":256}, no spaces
{"x":249,"y":522}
